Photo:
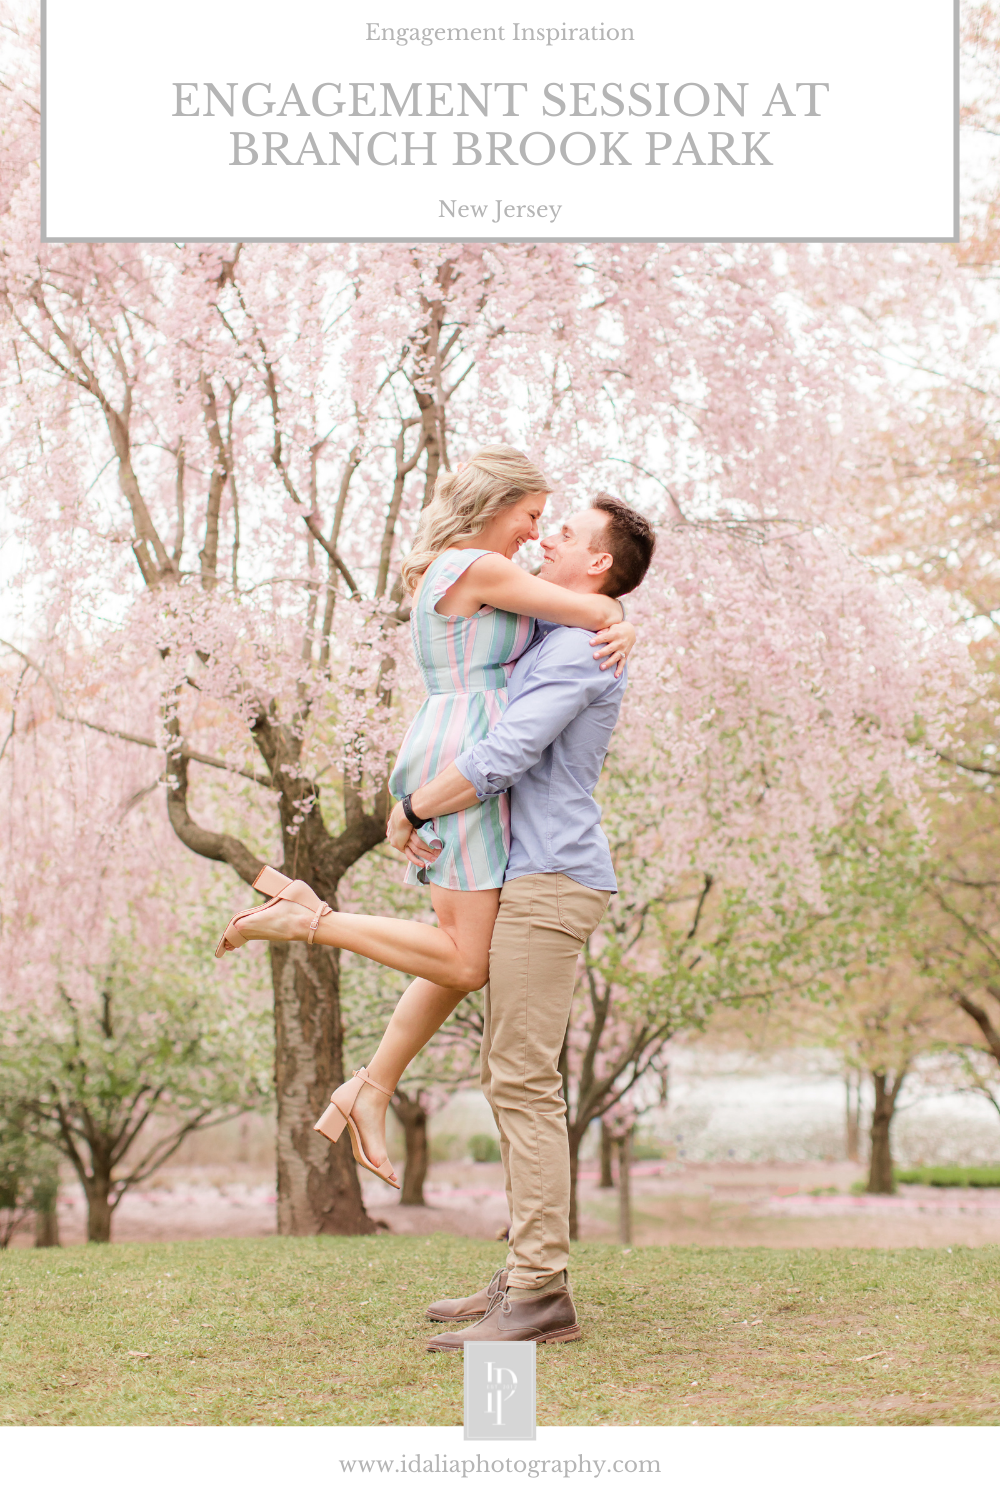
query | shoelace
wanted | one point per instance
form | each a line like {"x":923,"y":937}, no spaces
{"x":495,"y":1293}
{"x":503,"y":1298}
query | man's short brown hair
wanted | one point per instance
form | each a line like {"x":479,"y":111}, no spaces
{"x":629,"y":538}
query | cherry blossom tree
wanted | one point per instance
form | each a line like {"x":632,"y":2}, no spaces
{"x":696,"y":929}
{"x":933,"y":499}
{"x":29,"y":1182}
{"x":216,"y":456}
{"x":955,"y":945}
{"x":884,"y":1021}
{"x":119,"y":1036}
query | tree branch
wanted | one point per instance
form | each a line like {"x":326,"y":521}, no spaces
{"x":982,"y":1020}
{"x":965,"y":765}
{"x":278,"y":458}
{"x":163,"y":1149}
{"x":709,"y":882}
{"x":404,"y":466}
{"x":209,"y":554}
{"x":221,"y":847}
{"x":260,"y":777}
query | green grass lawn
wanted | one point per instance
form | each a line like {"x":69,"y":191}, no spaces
{"x":331,"y":1331}
{"x":951,"y":1176}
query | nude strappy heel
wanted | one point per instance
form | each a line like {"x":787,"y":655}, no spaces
{"x":280,"y":888}
{"x":338,"y":1114}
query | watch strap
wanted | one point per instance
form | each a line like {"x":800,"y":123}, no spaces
{"x":410,"y":815}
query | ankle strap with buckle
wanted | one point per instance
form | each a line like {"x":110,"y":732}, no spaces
{"x":322,"y":911}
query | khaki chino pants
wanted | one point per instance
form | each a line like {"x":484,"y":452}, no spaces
{"x":543,"y":922}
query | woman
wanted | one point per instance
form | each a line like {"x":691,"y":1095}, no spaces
{"x":473,"y":614}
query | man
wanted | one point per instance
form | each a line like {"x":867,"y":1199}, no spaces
{"x":548,"y":748}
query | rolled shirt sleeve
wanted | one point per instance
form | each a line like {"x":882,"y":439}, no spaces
{"x":563,"y":681}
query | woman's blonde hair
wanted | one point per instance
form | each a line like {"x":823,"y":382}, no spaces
{"x":466,"y":498}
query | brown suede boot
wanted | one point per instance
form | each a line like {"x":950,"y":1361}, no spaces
{"x":547,"y":1319}
{"x":464,"y":1309}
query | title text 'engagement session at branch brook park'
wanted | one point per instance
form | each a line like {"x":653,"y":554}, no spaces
{"x":499,"y":742}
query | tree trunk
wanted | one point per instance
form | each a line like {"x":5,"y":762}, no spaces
{"x":574,"y":1173}
{"x":412,"y":1115}
{"x":625,"y":1188}
{"x":880,"y":1171}
{"x":99,"y":1210}
{"x":43,"y":1201}
{"x":318,"y":1188}
{"x":852,"y":1086}
{"x":46,"y":1229}
{"x":607,"y":1152}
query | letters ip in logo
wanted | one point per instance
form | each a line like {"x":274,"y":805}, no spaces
{"x":499,"y":1383}
{"x":500,"y":1391}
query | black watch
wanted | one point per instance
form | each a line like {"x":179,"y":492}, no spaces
{"x":410,"y":814}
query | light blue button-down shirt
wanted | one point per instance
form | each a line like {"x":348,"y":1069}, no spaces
{"x":549,"y":748}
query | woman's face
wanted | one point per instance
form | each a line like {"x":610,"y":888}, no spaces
{"x":514,"y":526}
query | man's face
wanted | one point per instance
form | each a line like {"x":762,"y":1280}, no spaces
{"x":569,"y":560}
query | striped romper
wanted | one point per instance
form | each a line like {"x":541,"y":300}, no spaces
{"x":465,"y":664}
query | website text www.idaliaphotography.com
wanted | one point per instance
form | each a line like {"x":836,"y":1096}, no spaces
{"x":478,"y":1464}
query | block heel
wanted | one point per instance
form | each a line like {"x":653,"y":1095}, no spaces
{"x":331,"y":1123}
{"x":339,"y":1112}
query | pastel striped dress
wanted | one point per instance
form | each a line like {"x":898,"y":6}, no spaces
{"x":465,"y":664}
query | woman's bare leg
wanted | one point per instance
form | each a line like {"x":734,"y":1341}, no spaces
{"x":466,"y":918}
{"x":450,"y":960}
{"x":453,"y":955}
{"x":422,"y":1010}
